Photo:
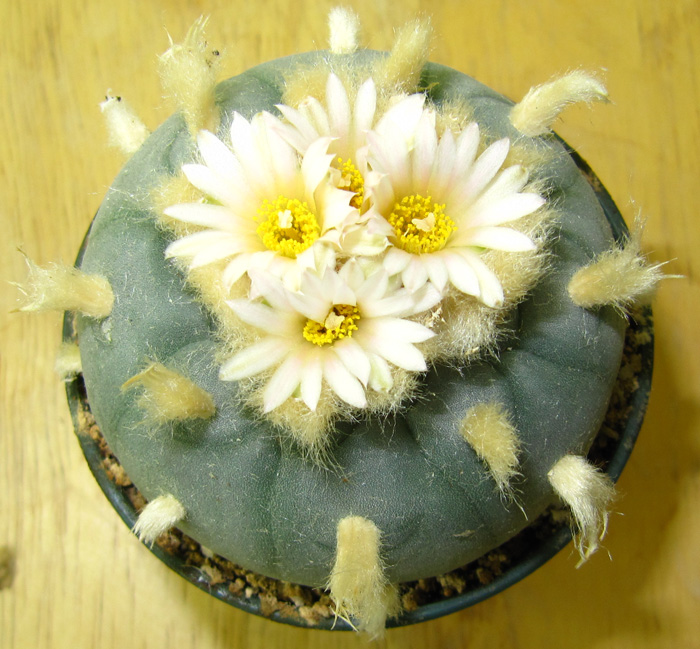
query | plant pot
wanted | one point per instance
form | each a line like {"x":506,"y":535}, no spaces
{"x":426,"y":599}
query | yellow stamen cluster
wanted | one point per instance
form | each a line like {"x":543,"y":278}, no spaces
{"x":420,"y":225}
{"x":340,"y":322}
{"x":287,"y":226}
{"x":352,"y":181}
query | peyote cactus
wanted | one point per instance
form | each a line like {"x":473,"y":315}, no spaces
{"x":351,"y":318}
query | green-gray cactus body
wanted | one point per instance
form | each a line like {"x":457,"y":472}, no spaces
{"x":253,"y":497}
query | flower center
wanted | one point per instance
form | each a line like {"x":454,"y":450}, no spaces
{"x":340,"y":322}
{"x":420,"y":225}
{"x":352,"y":181}
{"x":287,"y":226}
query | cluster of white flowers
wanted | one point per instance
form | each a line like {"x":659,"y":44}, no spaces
{"x":348,"y":225}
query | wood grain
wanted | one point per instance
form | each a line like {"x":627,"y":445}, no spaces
{"x":80,"y":579}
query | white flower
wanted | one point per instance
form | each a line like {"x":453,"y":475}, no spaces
{"x":266,"y":208}
{"x":348,"y":123}
{"x":341,"y":328}
{"x":443,"y":205}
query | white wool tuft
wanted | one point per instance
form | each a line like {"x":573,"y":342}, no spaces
{"x":358,"y":584}
{"x":65,"y":288}
{"x":126,"y":131}
{"x":536,"y":112}
{"x":344,"y":30}
{"x":158,"y":516}
{"x":170,"y":396}
{"x":588,"y":492}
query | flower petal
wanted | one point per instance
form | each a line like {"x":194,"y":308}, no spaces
{"x":311,"y":381}
{"x":217,"y":217}
{"x":354,"y":358}
{"x":497,"y":238}
{"x":342,"y":382}
{"x":462,"y":276}
{"x":254,"y":359}
{"x":283,"y":382}
{"x":507,"y":209}
{"x":365,"y":106}
{"x":338,"y":106}
{"x":485,"y":168}
{"x":491,"y":291}
{"x":415,"y":274}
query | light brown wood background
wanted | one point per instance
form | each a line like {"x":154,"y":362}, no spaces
{"x":81,"y":580}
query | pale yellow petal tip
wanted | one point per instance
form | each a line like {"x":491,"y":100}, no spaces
{"x":68,"y":362}
{"x":64,"y":288}
{"x":535,"y":114}
{"x":169,"y":396}
{"x":158,"y":516}
{"x":588,"y":492}
{"x":620,"y":277}
{"x":125,"y":130}
{"x":487,"y":428}
{"x":189,"y":72}
{"x":358,"y":583}
{"x":344,"y":30}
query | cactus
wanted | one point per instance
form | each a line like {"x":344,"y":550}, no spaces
{"x":360,"y":384}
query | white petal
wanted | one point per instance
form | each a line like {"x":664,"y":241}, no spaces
{"x":424,"y":152}
{"x":352,"y":274}
{"x":217,"y":156}
{"x":365,"y":105}
{"x":437,"y":272}
{"x":462,"y":275}
{"x":262,"y":317}
{"x":305,"y":131}
{"x":226,"y":246}
{"x":401,"y":119}
{"x":254,"y":359}
{"x":509,"y":181}
{"x":193,"y":244}
{"x":466,"y":147}
{"x":490,"y":286}
{"x":399,"y":303}
{"x":245,"y":145}
{"x":334,"y":207}
{"x":313,"y":111}
{"x":344,"y":384}
{"x":311,"y":381}
{"x":338,"y":106}
{"x":270,"y":287}
{"x":207,"y":215}
{"x":486,"y":167}
{"x":400,"y":330}
{"x":507,"y":209}
{"x":283,"y":382}
{"x":354,"y":358}
{"x":396,"y":260}
{"x":380,"y":377}
{"x":390,"y":155}
{"x":312,"y":306}
{"x":401,"y":354}
{"x":243,"y":263}
{"x":443,"y":165}
{"x":315,"y":164}
{"x":282,"y":156}
{"x":415,"y":274}
{"x":498,"y":239}
{"x":374,"y":287}
{"x":210,"y":183}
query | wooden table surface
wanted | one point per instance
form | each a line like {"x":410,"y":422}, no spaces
{"x":81,"y":580}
